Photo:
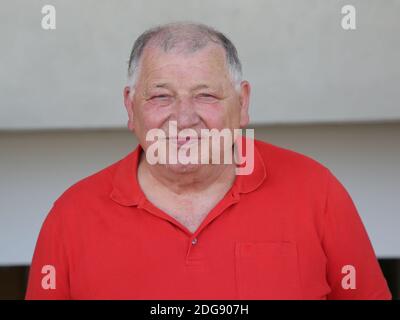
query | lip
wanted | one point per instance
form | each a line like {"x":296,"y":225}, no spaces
{"x":181,"y":141}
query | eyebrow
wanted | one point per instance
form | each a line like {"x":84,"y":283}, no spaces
{"x":201,"y":86}
{"x":167,"y":86}
{"x":156,"y":85}
{"x":161,"y":85}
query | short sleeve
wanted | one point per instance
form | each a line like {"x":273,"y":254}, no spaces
{"x":353,"y":271}
{"x":48,"y":274}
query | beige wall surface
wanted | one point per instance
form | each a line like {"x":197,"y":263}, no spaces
{"x":303,"y":66}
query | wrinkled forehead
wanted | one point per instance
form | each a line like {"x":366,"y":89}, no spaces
{"x":206,"y":64}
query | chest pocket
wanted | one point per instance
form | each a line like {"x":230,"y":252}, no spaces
{"x":267,"y":270}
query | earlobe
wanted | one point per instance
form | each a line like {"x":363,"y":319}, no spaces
{"x":131,"y":126}
{"x":244,"y":103}
{"x":129,"y":107}
{"x":244,"y":120}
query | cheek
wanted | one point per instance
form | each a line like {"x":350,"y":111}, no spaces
{"x":151,"y":116}
{"x":219,"y":116}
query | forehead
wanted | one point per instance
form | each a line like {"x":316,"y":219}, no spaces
{"x":206,"y":64}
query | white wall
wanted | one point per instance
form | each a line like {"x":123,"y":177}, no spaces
{"x":36,"y":167}
{"x":303,"y":66}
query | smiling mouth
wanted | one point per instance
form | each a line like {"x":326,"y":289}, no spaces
{"x":182,"y":140}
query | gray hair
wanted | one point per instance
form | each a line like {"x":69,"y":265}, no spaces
{"x":191,"y":37}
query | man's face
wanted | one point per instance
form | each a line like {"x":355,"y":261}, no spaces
{"x":195,"y":90}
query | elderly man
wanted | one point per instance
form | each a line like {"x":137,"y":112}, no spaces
{"x":139,"y":230}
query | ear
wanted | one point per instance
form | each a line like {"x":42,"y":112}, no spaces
{"x":128,"y":101}
{"x":244,"y":99}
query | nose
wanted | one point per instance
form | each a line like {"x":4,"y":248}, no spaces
{"x":185,"y":114}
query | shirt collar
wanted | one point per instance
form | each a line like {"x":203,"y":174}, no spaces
{"x":127,"y":192}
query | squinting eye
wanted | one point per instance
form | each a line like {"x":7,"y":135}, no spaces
{"x":161,"y":100}
{"x":161,"y":96}
{"x":205,"y":97}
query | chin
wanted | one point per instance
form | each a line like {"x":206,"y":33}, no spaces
{"x":184,"y":168}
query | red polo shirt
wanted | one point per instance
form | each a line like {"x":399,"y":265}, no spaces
{"x":287,"y":231}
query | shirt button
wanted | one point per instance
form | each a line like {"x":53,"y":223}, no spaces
{"x":194,"y":241}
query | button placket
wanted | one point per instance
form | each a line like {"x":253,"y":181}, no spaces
{"x":191,"y":246}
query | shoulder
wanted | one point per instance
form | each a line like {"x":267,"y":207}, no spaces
{"x":282,"y":161}
{"x":89,"y":190}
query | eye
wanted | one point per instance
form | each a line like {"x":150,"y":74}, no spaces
{"x":206,"y":98}
{"x":161,"y":99}
{"x":205,"y":95}
{"x":161,"y":96}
